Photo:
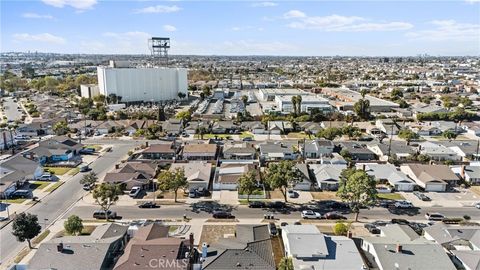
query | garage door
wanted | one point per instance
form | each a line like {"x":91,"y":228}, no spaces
{"x":435,"y":187}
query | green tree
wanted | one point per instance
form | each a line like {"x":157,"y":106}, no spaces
{"x":282,"y":175}
{"x":362,"y":107}
{"x":207,"y":91}
{"x":449,"y":134}
{"x":186,"y":116}
{"x":90,"y":179}
{"x":329,"y":133}
{"x":168,"y":180}
{"x":201,"y":130}
{"x":25,"y":227}
{"x":357,"y":188}
{"x":181,"y":95}
{"x":299,"y":104}
{"x":341,"y":228}
{"x":351,"y":131}
{"x":423,"y":158}
{"x":106,"y":195}
{"x":245,"y":100}
{"x":294,"y":104}
{"x":407,"y":135}
{"x":286,"y":263}
{"x":396,"y":94}
{"x":73,"y":225}
{"x":247,"y":183}
{"x":60,"y":128}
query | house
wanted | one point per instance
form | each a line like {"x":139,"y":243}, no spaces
{"x":193,"y":126}
{"x":472,"y":128}
{"x":327,"y":176}
{"x":304,"y":182}
{"x":314,"y":149}
{"x":272,"y":151}
{"x":198,"y":174}
{"x":461,"y":241}
{"x":236,"y":150}
{"x":201,"y":151}
{"x":400,"y":150}
{"x":357,"y":151}
{"x":100,"y":250}
{"x":228,"y":173}
{"x":132,"y":174}
{"x":256,"y":127}
{"x":108,"y":126}
{"x":471,"y":174}
{"x":431,"y":177}
{"x":275,"y":127}
{"x":172,"y":126}
{"x":311,"y":127}
{"x":6,"y":139}
{"x":15,"y":172}
{"x":162,"y":151}
{"x":467,"y":150}
{"x":250,"y":248}
{"x":56,"y":149}
{"x":388,"y":173}
{"x":399,"y":247}
{"x":388,"y":126}
{"x":311,"y":249}
{"x":152,"y":248}
{"x":223,"y":127}
{"x":438,"y":152}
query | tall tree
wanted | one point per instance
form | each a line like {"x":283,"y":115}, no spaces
{"x":351,"y":131}
{"x":329,"y":133}
{"x":168,"y":180}
{"x":362,"y":107}
{"x":407,"y":135}
{"x":106,"y":195}
{"x":247,"y":183}
{"x":282,"y":175}
{"x":25,"y":227}
{"x":357,"y":188}
{"x":299,"y":104}
{"x":90,"y":179}
{"x":73,"y":225}
{"x":244,"y":100}
{"x":60,"y":128}
{"x":294,"y":104}
{"x":449,"y":134}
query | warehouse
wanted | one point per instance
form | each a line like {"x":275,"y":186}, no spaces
{"x":285,"y":105}
{"x":270,"y":94}
{"x":141,"y":84}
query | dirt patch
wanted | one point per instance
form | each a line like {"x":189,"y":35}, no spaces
{"x":325,"y":195}
{"x":277,"y":245}
{"x":233,"y":220}
{"x":211,"y":233}
{"x":276,"y":195}
{"x":475,"y":189}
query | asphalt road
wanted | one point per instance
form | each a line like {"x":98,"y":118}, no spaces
{"x":54,"y":205}
{"x":11,"y":109}
{"x":243,"y":212}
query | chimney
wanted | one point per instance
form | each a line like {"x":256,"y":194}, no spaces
{"x":60,"y":247}
{"x":399,"y":248}
{"x":117,"y":166}
{"x":462,"y":172}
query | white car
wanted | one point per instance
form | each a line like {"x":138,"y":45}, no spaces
{"x":134,"y":192}
{"x":309,"y":214}
{"x":477,"y":205}
{"x":403,"y":204}
{"x":434,"y":216}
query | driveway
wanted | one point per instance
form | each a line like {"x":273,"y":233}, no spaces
{"x":462,"y":198}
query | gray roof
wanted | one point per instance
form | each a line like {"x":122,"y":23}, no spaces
{"x":250,"y":249}
{"x":387,"y":172}
{"x":444,"y":234}
{"x":469,"y":258}
{"x":327,"y":172}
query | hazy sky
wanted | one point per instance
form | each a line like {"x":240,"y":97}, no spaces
{"x":244,"y":27}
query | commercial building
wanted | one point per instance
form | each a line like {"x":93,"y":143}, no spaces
{"x":89,"y":90}
{"x":270,"y":94}
{"x":142,"y":84}
{"x":346,"y":98}
{"x":285,"y":105}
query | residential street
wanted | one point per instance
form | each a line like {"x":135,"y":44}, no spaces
{"x":57,"y":203}
{"x":11,"y":109}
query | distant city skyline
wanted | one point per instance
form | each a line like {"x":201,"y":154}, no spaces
{"x":284,"y":28}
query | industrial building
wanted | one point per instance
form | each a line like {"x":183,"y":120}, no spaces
{"x":142,"y":83}
{"x":346,"y":98}
{"x":285,"y":105}
{"x":270,"y":94}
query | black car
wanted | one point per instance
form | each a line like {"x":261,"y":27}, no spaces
{"x":334,"y":215}
{"x":21,"y":193}
{"x":372,"y":228}
{"x":276,"y":205}
{"x":400,"y":221}
{"x":87,"y":151}
{"x":84,"y":168}
{"x":147,"y":205}
{"x":272,"y":228}
{"x":222,"y":214}
{"x":421,"y":196}
{"x":256,"y":204}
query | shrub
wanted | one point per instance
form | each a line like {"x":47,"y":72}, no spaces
{"x":340,"y":229}
{"x":466,"y":217}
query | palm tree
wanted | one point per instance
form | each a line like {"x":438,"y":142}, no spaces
{"x":299,"y":104}
{"x":294,"y":104}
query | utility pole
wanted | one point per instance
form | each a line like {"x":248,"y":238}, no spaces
{"x":478,"y":148}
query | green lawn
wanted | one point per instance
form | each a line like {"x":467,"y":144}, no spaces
{"x":246,"y":134}
{"x":19,"y":200}
{"x":97,"y":147}
{"x":40,"y":237}
{"x":54,"y":187}
{"x":39,"y":185}
{"x":74,"y":171}
{"x":219,"y":136}
{"x":298,"y":135}
{"x":390,"y":196}
{"x":57,"y":170}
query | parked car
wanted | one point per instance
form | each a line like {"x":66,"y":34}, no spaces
{"x":84,"y":168}
{"x":334,"y":215}
{"x":434,"y":216}
{"x":272,"y":228}
{"x":222,"y":214}
{"x":247,"y":139}
{"x":421,"y":196}
{"x":403,"y":204}
{"x":192,"y":193}
{"x":87,"y":151}
{"x":147,"y":205}
{"x":21,"y":193}
{"x":256,"y":204}
{"x":297,"y":223}
{"x":276,"y":205}
{"x":292,"y":194}
{"x":100,"y":214}
{"x":134,"y":192}
{"x":309,"y":214}
{"x":372,"y":228}
{"x":400,"y":221}
{"x":201,"y":191}
{"x":88,"y":187}
{"x":477,"y":205}
{"x":45,"y":177}
{"x":283,"y":224}
{"x":380,"y":223}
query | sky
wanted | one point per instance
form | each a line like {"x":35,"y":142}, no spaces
{"x":287,"y":28}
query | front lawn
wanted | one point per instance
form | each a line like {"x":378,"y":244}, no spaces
{"x":97,"y":147}
{"x":218,"y":136}
{"x":324,"y":195}
{"x":39,"y":185}
{"x":390,"y":196}
{"x":57,"y":170}
{"x":298,"y":135}
{"x":74,"y":171}
{"x":18,"y":200}
{"x":54,"y":187}
{"x":246,"y":134}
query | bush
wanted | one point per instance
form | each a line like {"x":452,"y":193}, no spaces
{"x":340,"y":229}
{"x":466,"y":217}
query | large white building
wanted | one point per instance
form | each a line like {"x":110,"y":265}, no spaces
{"x":142,"y":84}
{"x":284,"y":103}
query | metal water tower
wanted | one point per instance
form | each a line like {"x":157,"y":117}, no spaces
{"x":159,"y":47}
